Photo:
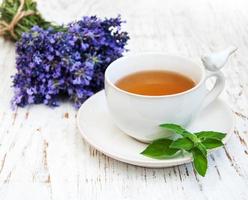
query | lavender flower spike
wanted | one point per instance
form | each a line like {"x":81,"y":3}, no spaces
{"x":70,"y":64}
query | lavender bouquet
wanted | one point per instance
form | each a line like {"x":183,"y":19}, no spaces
{"x":54,"y":64}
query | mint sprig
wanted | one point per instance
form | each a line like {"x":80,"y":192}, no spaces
{"x":195,"y":143}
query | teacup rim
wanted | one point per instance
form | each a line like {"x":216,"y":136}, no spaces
{"x":203,"y":72}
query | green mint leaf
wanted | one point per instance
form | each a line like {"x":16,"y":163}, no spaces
{"x":212,"y":143}
{"x":181,"y":131}
{"x":202,"y":148}
{"x":160,"y":149}
{"x":210,"y":135}
{"x":182,"y":143}
{"x":200,"y":161}
{"x":175,"y":129}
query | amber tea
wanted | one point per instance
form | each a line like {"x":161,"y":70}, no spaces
{"x":155,"y":83}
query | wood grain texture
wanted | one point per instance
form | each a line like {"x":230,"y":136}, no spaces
{"x":42,"y":155}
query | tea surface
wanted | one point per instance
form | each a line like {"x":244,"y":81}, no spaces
{"x":155,"y":83}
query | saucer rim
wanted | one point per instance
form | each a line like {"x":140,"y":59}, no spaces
{"x":149,"y":163}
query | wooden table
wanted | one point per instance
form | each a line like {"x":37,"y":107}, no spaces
{"x":42,"y":154}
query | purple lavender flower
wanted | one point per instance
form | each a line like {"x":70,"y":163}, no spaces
{"x":51,"y":64}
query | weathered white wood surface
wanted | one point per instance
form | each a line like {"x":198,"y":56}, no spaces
{"x":42,"y":155}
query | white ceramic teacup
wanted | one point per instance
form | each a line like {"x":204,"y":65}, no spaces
{"x":139,"y":116}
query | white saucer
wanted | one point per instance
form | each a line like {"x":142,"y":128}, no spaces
{"x":98,"y":130}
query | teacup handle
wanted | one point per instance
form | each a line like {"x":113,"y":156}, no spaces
{"x":213,"y":63}
{"x":217,"y":88}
